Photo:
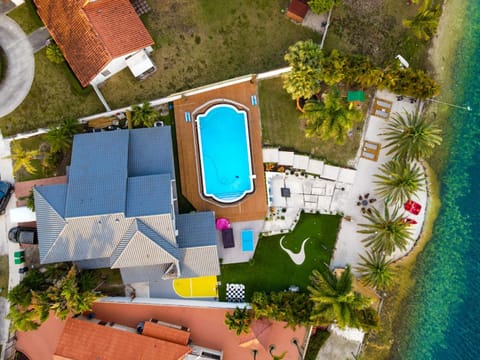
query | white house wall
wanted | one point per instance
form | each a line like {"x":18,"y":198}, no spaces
{"x":116,"y":65}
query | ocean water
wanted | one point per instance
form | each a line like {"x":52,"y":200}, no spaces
{"x":442,"y":318}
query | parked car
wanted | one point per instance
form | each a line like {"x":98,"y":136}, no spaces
{"x":23,"y":235}
{"x":6,"y":190}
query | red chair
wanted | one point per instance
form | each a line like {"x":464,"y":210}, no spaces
{"x":413,"y":207}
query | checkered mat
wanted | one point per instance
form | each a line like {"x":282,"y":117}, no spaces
{"x":141,"y":6}
{"x":235,"y":292}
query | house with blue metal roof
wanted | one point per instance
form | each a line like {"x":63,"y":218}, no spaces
{"x":118,"y":209}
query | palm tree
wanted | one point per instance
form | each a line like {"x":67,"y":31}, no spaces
{"x":330,"y":118}
{"x":386,"y":232}
{"x":22,"y":159}
{"x":334,"y":299}
{"x":240,"y":320}
{"x":304,"y":80}
{"x":23,"y":320}
{"x":425,"y":23}
{"x":144,"y":115}
{"x":334,"y":68}
{"x":375,"y":270}
{"x":399,"y":180}
{"x":411,"y":137}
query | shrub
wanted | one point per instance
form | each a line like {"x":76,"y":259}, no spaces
{"x":54,"y":54}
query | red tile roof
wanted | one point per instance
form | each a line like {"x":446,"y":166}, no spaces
{"x":166,"y":333}
{"x":83,"y":340}
{"x":91,"y":34}
{"x":297,"y":10}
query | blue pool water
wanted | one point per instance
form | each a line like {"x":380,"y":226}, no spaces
{"x":442,"y":316}
{"x":247,"y":240}
{"x":224,"y":149}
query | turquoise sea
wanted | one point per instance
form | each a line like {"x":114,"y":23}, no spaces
{"x":442,"y":318}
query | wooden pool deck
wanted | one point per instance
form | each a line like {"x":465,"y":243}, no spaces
{"x":253,"y":206}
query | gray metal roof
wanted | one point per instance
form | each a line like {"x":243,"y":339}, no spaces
{"x":196,"y":229}
{"x":49,"y":222}
{"x":140,"y":246}
{"x":150,"y":152}
{"x":143,"y":273}
{"x":97,"y":180}
{"x":116,"y":210}
{"x":149,"y":195}
{"x":202,"y":261}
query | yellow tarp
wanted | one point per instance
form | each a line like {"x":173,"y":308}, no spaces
{"x":205,"y":286}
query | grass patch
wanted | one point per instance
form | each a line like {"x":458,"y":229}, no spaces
{"x":316,"y":342}
{"x":271,"y":269}
{"x":3,"y":275}
{"x":281,"y":126}
{"x":26,"y":16}
{"x":375,"y":28}
{"x":203,"y":41}
{"x":35,"y":143}
{"x":50,"y":99}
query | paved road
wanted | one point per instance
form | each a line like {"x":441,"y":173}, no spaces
{"x":20,"y":68}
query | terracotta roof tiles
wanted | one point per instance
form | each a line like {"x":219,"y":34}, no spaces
{"x":90,"y":35}
{"x":166,"y":333}
{"x":83,"y":340}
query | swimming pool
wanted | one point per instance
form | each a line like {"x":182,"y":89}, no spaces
{"x":224,"y":149}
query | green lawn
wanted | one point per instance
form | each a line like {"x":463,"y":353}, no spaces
{"x":199,"y":42}
{"x":281,"y":126}
{"x":3,"y":275}
{"x":51,"y":98}
{"x":271,"y":269}
{"x":26,"y":17}
{"x":374,"y":28}
{"x":35,"y":143}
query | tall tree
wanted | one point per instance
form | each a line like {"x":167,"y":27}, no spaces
{"x":240,"y":320}
{"x":54,"y":290}
{"x":330,"y":118}
{"x":399,"y":180}
{"x":144,"y":116}
{"x":305,"y":59}
{"x":335,"y":300}
{"x":375,"y":270}
{"x":387,"y":232}
{"x":411,"y":136}
{"x":22,"y":159}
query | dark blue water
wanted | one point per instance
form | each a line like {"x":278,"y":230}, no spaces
{"x":442,"y":319}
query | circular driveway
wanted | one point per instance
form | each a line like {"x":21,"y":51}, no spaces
{"x":20,"y":67}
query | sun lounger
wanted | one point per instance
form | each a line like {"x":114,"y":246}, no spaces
{"x":369,"y":145}
{"x":253,"y":99}
{"x":227,"y":238}
{"x":368,"y":155}
{"x":384,"y":104}
{"x":188,"y":117}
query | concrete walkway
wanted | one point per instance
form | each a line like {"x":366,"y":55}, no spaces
{"x":20,"y":68}
{"x":38,"y":38}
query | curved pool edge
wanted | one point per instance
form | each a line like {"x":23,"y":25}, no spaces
{"x":241,"y":110}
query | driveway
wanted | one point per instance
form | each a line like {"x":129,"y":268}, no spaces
{"x":20,"y":68}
